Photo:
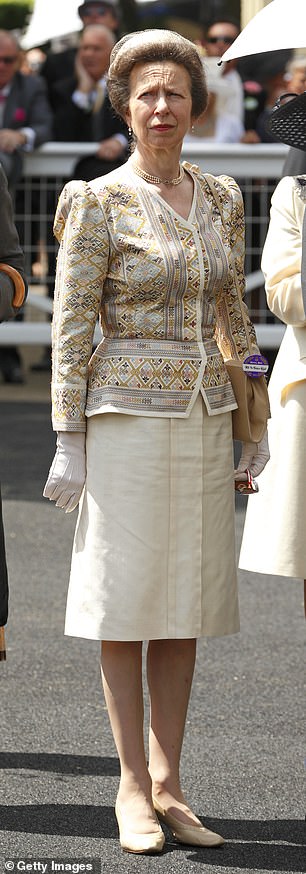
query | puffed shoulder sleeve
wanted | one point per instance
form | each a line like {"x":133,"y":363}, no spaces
{"x":82,"y":264}
{"x":282,"y":253}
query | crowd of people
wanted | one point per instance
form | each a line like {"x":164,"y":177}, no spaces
{"x":62,"y":96}
{"x":67,"y":100}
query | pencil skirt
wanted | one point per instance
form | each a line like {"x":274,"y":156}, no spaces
{"x":154,"y":547}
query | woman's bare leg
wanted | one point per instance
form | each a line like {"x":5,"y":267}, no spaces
{"x":121,"y":666}
{"x":170,"y":668}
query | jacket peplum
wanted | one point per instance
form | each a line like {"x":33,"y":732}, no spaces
{"x":168,"y":293}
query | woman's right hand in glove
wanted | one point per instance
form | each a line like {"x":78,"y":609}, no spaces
{"x":67,"y":473}
{"x":254,"y":457}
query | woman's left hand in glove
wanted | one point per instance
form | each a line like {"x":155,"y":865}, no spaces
{"x":254,"y":457}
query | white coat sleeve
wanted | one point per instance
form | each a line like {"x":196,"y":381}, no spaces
{"x":282,"y":254}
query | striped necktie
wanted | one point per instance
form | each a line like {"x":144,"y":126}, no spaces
{"x":100,"y":92}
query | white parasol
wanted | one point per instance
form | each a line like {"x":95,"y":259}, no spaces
{"x":51,"y":20}
{"x":280,"y":25}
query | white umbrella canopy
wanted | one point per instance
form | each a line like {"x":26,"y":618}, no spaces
{"x":51,"y":20}
{"x":280,"y":25}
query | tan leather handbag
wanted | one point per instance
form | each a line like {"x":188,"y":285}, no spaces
{"x":250,"y":418}
{"x":251,"y":393}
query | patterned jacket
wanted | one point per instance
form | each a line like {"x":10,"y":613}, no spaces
{"x":168,"y":293}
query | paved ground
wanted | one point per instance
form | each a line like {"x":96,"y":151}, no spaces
{"x":244,"y":754}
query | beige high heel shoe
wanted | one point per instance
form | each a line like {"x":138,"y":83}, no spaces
{"x":194,"y":835}
{"x":132,"y":842}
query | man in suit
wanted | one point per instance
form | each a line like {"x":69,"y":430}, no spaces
{"x":100,"y":12}
{"x":60,"y":65}
{"x":25,"y":114}
{"x":25,"y":122}
{"x":83,"y":110}
{"x":13,"y":289}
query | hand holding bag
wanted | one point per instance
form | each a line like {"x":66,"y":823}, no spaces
{"x":250,"y":418}
{"x":251,"y":393}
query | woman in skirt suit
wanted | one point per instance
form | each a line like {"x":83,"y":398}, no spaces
{"x":145,"y":247}
{"x":277,"y":517}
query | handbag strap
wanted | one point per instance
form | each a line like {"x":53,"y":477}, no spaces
{"x":215,"y":194}
{"x":216,"y":197}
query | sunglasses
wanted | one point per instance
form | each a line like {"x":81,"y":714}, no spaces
{"x":8,"y":59}
{"x":228,"y":40}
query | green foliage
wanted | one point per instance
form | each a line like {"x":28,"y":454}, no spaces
{"x":15,"y":14}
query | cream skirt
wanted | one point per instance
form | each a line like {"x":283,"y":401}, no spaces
{"x":154,"y":548}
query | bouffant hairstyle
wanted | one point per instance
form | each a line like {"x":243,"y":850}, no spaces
{"x":154,"y":45}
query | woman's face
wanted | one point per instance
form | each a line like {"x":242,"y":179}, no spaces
{"x":160,"y":105}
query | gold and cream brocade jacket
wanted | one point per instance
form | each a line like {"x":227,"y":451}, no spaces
{"x":168,"y":293}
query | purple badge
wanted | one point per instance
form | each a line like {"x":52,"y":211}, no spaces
{"x":255,"y":365}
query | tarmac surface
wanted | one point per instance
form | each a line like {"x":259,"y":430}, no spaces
{"x":243,"y":763}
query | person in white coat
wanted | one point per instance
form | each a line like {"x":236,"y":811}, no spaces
{"x":274,"y":539}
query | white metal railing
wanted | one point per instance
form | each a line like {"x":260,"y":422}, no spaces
{"x":260,"y":160}
{"x":256,"y":167}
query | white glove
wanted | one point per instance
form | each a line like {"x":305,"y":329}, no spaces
{"x":67,"y":473}
{"x":254,"y":457}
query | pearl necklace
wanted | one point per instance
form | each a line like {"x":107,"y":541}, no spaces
{"x":156,"y":179}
